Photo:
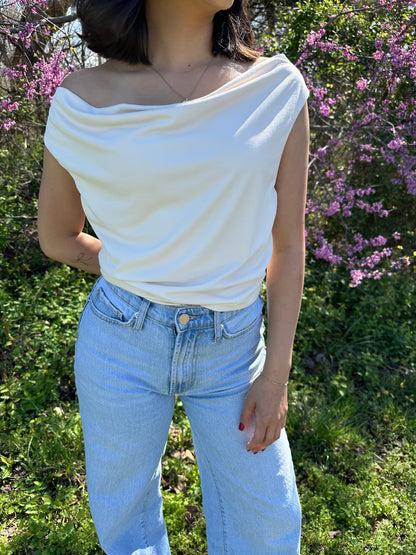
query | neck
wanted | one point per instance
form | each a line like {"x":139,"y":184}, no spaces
{"x":180,"y":34}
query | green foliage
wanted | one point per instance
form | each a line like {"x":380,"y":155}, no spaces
{"x":351,"y":423}
{"x":352,"y":416}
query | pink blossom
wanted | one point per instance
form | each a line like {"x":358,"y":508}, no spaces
{"x":377,"y":274}
{"x":326,"y":252}
{"x":362,"y":84}
{"x":320,"y":153}
{"x":324,"y":109}
{"x":8,"y":106}
{"x":7,"y":124}
{"x":396,"y":143}
{"x":356,"y":277}
{"x":378,"y":241}
{"x":311,"y":38}
{"x":332,"y":209}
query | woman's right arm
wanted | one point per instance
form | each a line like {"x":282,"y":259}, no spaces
{"x":61,"y":220}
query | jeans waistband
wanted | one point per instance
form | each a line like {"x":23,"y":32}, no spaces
{"x":189,"y":316}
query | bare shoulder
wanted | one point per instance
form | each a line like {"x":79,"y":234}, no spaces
{"x":79,"y":79}
{"x":261,"y":59}
{"x":87,"y":83}
{"x":242,"y":67}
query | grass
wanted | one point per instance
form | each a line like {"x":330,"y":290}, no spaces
{"x":351,"y":425}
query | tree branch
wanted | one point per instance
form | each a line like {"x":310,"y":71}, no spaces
{"x":59,"y":20}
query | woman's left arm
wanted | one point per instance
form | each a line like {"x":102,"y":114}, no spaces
{"x":267,"y":397}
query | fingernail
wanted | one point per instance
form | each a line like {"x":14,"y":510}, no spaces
{"x":263,"y":450}
{"x":241,"y":427}
{"x":255,"y":452}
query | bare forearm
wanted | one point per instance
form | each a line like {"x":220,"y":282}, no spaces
{"x":284,"y":283}
{"x":80,"y":251}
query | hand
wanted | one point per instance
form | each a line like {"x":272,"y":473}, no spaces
{"x":268,"y":401}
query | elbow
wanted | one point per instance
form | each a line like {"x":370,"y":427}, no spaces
{"x":46,"y":248}
{"x":292,"y":250}
{"x":47,"y":244}
{"x":291,"y":257}
{"x":42,"y":240}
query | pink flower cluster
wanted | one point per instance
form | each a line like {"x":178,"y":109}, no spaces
{"x":34,"y":5}
{"x":8,"y":106}
{"x":41,"y":80}
{"x":26,"y":34}
{"x":371,"y":127}
{"x":48,"y":75}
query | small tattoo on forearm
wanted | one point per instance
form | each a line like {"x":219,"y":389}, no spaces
{"x":83,"y":259}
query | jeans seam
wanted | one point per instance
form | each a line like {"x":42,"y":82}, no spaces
{"x":108,"y":319}
{"x":84,"y":309}
{"x":136,"y":308}
{"x":220,"y":503}
{"x":244,"y":330}
{"x":174,"y":364}
{"x":194,"y":359}
{"x":142,"y":520}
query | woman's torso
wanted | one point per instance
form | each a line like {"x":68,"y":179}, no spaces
{"x":181,"y":194}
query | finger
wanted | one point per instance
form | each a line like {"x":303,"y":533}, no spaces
{"x":246,"y":414}
{"x":272,"y":435}
{"x":256,"y":442}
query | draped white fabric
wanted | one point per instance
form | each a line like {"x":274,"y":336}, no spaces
{"x":182,"y":195}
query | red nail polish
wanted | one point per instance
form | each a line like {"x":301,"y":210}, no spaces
{"x":241,"y":427}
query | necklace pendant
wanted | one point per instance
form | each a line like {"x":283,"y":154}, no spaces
{"x":187,"y":99}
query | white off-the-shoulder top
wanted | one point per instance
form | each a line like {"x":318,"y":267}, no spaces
{"x":183,"y":195}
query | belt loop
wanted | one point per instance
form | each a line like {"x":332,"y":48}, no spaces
{"x":217,"y":325}
{"x":141,"y":314}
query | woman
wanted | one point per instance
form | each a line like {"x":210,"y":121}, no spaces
{"x":176,"y":149}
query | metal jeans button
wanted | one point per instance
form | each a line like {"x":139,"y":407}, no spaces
{"x":184,"y":319}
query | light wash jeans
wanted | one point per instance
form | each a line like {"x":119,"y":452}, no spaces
{"x":132,"y":357}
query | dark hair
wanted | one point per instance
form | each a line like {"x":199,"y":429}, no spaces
{"x":117,"y":29}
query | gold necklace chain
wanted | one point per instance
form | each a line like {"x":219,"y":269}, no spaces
{"x":187,"y":97}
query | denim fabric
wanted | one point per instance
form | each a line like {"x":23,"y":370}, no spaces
{"x":132,"y":358}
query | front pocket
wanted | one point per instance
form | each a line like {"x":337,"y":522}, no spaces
{"x":243,"y":320}
{"x":110,"y":307}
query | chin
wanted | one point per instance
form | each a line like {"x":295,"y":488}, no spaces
{"x":220,"y":5}
{"x":226,"y":4}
